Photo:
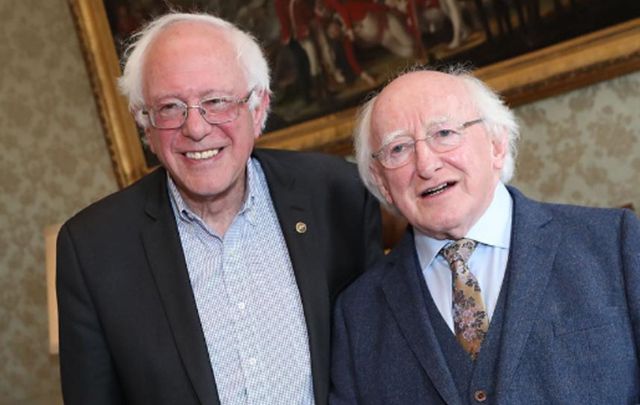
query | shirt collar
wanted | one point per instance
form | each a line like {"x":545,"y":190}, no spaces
{"x":493,"y":228}
{"x":185,"y":213}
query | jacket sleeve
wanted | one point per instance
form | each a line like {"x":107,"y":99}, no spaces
{"x":630,"y":237}
{"x":372,"y":231}
{"x":86,"y":368}
{"x":343,"y":384}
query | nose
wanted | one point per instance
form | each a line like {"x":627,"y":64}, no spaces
{"x":427,"y":161}
{"x":195,"y":126}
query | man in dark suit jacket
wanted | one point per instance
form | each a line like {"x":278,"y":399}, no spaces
{"x":210,"y":280}
{"x":552,"y":312}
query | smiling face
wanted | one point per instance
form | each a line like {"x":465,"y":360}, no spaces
{"x":190,"y":61}
{"x":441,"y":194}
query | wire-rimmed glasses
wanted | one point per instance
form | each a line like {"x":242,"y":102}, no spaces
{"x":215,"y":110}
{"x":399,"y":150}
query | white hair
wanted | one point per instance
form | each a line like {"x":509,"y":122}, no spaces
{"x":498,"y":119}
{"x":249,"y":56}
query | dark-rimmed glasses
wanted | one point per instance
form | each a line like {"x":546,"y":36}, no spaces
{"x":214,"y":110}
{"x":399,"y":150}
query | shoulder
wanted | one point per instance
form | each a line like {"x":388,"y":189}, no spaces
{"x":121,"y":206}
{"x":306,"y":164}
{"x":365,"y":290}
{"x":586,"y":217}
{"x":324,"y":178}
{"x":601,"y":227}
{"x":392,"y":268}
{"x":585,"y":222}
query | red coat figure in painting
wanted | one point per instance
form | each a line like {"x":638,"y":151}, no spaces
{"x":294,"y":17}
{"x":373,"y":23}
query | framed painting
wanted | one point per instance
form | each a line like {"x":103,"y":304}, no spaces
{"x":326,"y":56}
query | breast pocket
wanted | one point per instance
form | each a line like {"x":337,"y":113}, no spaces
{"x":584,"y":322}
{"x":594,"y":339}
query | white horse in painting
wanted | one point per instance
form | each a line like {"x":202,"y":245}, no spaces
{"x":423,"y":13}
{"x":371,"y":24}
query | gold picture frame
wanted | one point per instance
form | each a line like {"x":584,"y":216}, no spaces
{"x":590,"y":58}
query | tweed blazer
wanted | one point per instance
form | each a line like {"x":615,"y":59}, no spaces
{"x":570,"y":330}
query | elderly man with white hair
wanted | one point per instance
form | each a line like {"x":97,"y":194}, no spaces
{"x":210,"y":280}
{"x":490,"y":297}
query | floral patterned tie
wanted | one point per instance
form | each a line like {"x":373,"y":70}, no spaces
{"x":469,"y":315}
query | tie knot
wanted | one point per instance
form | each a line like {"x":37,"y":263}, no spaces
{"x":459,"y":250}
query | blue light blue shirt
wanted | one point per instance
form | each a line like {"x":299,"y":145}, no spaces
{"x":248,"y":301}
{"x":488,"y":262}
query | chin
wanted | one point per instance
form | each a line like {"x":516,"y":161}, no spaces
{"x":443,"y":227}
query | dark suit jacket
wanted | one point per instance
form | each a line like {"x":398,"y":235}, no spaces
{"x":129,"y":327}
{"x":571,"y":326}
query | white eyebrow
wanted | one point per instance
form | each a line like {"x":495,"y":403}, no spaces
{"x":392,"y":136}
{"x":435,"y":122}
{"x":218,"y":95}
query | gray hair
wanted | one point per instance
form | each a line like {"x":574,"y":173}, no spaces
{"x":497,"y":117}
{"x":249,"y":56}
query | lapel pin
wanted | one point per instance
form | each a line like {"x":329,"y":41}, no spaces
{"x":301,"y":227}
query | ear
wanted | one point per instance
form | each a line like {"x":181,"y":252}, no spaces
{"x":260,"y":112}
{"x":499,"y":148}
{"x":381,"y":183}
{"x":147,"y":139}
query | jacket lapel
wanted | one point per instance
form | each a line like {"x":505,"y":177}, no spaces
{"x":164,"y":253}
{"x":534,"y":242}
{"x":301,"y":233}
{"x":405,"y":297}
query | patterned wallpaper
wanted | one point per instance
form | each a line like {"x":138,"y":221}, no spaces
{"x":582,"y":147}
{"x":54,"y":161}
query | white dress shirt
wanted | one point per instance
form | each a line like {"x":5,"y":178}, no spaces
{"x":487,"y":263}
{"x":248,"y":301}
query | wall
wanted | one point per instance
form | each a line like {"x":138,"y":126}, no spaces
{"x":581,"y":147}
{"x":53,"y":161}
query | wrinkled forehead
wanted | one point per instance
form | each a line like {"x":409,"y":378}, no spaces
{"x":193,"y":39}
{"x":193,"y":56}
{"x":417,"y":101}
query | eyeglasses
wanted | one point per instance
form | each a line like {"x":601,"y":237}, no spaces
{"x":441,"y":138}
{"x":214,"y":110}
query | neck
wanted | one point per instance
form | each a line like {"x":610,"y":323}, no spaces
{"x":218,"y":211}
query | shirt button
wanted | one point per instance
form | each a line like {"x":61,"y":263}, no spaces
{"x":252,"y":361}
{"x":242,"y":306}
{"x":480,"y":395}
